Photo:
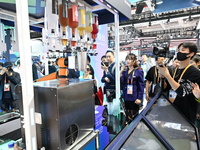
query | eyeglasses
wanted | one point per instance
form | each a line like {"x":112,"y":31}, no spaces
{"x":88,"y":69}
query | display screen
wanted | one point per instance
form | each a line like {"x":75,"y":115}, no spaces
{"x":142,"y":138}
{"x":35,"y":7}
{"x":172,"y":125}
{"x":30,"y":2}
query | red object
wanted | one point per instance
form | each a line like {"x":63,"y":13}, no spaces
{"x":99,"y":94}
{"x":73,"y":18}
{"x":94,"y":31}
{"x":73,"y":43}
{"x":95,"y":26}
{"x":94,"y":46}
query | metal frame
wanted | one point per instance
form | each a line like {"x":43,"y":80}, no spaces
{"x":26,"y":67}
{"x":116,"y":18}
{"x":122,"y":137}
{"x":26,"y":73}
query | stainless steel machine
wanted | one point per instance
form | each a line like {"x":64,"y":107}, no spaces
{"x":64,"y":112}
{"x":10,"y":126}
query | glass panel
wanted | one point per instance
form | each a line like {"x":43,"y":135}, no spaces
{"x":172,"y":125}
{"x":142,"y":139}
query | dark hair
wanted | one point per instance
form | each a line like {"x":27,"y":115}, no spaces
{"x":7,"y":64}
{"x":110,"y":52}
{"x":91,"y":70}
{"x":104,"y":56}
{"x":133,"y":57}
{"x":196,"y":59}
{"x":192,"y":47}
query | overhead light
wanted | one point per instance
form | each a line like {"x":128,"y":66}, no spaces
{"x":159,"y":2}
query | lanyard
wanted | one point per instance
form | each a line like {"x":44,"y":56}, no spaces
{"x":156,"y":73}
{"x":181,"y":73}
{"x":130,"y":80}
{"x":5,"y":80}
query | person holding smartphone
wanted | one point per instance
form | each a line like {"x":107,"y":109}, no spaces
{"x":8,"y":80}
{"x":181,"y":81}
{"x":109,"y":77}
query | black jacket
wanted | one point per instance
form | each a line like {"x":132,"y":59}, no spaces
{"x":14,"y":80}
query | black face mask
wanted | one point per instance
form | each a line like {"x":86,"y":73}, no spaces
{"x":182,"y":56}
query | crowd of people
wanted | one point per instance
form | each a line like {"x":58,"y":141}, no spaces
{"x":181,"y":81}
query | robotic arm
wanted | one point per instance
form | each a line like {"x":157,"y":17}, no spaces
{"x":61,"y":74}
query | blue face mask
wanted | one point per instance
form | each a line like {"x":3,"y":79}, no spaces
{"x":182,"y":56}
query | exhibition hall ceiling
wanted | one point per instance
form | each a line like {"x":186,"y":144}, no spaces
{"x":174,"y":20}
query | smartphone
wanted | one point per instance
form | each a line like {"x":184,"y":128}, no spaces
{"x":105,"y":63}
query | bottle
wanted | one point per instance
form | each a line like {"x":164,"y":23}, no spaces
{"x":95,"y":26}
{"x":64,"y":21}
{"x":73,"y":17}
{"x":63,"y":15}
{"x":88,"y":28}
{"x":82,"y":23}
{"x":11,"y":146}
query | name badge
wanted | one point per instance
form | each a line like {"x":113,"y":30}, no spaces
{"x":172,"y":95}
{"x":7,"y":87}
{"x":129,"y":89}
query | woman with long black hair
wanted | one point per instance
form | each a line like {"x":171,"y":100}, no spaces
{"x":132,"y":81}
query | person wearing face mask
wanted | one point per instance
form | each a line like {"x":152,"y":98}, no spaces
{"x":8,"y":80}
{"x":181,"y":81}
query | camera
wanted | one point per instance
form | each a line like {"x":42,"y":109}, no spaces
{"x":161,"y":51}
{"x":105,"y":63}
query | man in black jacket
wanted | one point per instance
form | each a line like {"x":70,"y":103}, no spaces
{"x":8,"y":80}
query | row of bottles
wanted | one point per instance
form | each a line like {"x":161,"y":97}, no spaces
{"x":77,"y":18}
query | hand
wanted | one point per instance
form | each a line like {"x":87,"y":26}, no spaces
{"x":123,"y":68}
{"x":4,"y":70}
{"x":147,"y":97}
{"x":18,"y":148}
{"x":196,"y":90}
{"x":107,"y":79}
{"x":137,"y":101}
{"x":163,"y":71}
{"x":104,"y":67}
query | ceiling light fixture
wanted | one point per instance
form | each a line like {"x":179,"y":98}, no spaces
{"x":159,"y":2}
